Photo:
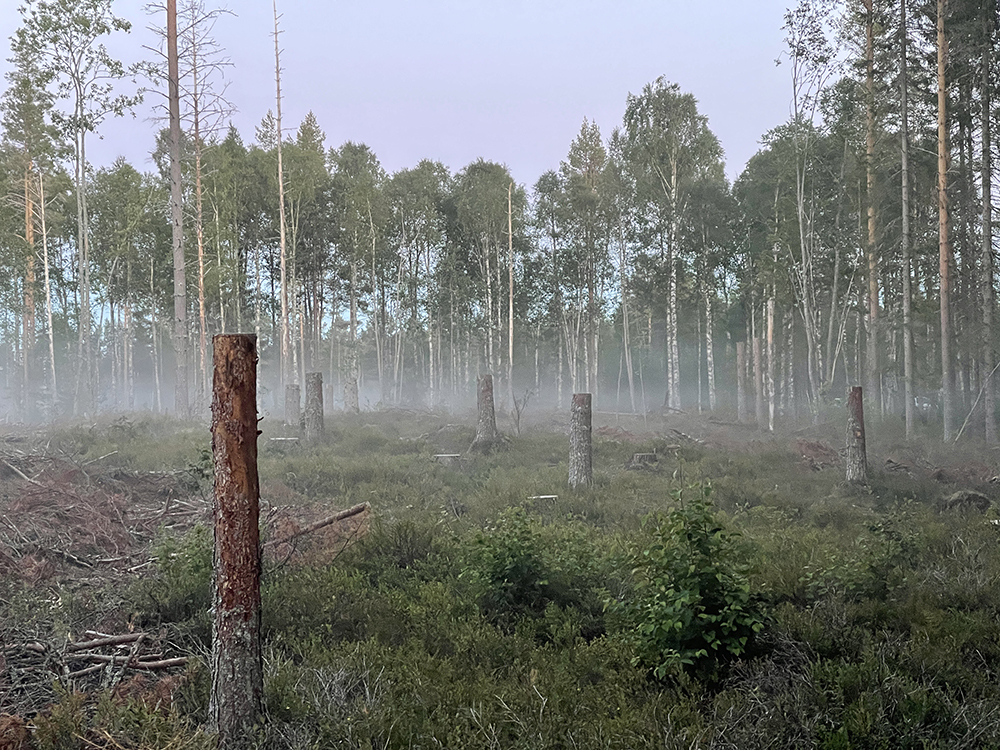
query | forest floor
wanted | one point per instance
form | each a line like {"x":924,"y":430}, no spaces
{"x":88,"y":512}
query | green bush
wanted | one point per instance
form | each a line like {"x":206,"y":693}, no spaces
{"x":520,"y":569}
{"x":180,"y":591}
{"x":691,"y":606}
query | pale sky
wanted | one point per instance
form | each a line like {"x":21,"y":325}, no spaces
{"x":455,"y":80}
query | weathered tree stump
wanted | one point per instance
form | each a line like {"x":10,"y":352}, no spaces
{"x":236,"y":702}
{"x":487,"y":438}
{"x":581,"y":471}
{"x":351,"y":399}
{"x":314,"y":406}
{"x":857,"y":458}
{"x":293,"y":401}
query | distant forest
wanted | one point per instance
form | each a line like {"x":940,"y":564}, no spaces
{"x":857,"y":247}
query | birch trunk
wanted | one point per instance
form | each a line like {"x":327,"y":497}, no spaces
{"x":180,"y":334}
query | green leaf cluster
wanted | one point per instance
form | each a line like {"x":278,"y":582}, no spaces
{"x":691,"y":606}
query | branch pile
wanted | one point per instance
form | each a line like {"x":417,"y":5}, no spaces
{"x":99,"y":661}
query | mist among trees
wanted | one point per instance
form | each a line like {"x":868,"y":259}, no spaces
{"x":855,"y":248}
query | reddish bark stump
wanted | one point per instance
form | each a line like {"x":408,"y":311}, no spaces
{"x":237,"y":671}
{"x":857,"y":457}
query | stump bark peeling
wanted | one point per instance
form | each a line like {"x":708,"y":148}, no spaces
{"x":237,"y":674}
{"x":857,"y":457}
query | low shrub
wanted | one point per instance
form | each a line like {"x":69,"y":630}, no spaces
{"x":691,"y":607}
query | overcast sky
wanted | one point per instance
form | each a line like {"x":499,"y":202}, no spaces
{"x":454,"y":80}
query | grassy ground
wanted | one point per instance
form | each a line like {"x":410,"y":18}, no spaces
{"x":484,"y":604}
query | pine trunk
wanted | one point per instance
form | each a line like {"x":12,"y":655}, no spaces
{"x":944,"y":242}
{"x":857,"y":460}
{"x":237,"y":671}
{"x":908,"y":394}
{"x":987,"y":281}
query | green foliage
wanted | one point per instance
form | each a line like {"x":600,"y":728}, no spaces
{"x":519,"y":569}
{"x":180,"y":591}
{"x":692,"y":606}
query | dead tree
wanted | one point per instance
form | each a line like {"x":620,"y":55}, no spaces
{"x":857,"y":458}
{"x":581,"y":466}
{"x":487,"y":436}
{"x":314,"y":405}
{"x":293,"y":410}
{"x":237,"y":673}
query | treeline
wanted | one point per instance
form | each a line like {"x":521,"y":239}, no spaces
{"x":856,"y":247}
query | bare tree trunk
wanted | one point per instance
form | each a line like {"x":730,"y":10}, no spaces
{"x":153,"y":325}
{"x":510,"y":293}
{"x":286,"y":373}
{"x":28,"y":318}
{"x":905,"y":231}
{"x":48,"y":286}
{"x":314,"y":406}
{"x":944,"y":242}
{"x":709,"y":349}
{"x":986,"y":283}
{"x":293,"y":406}
{"x":873,"y":369}
{"x":237,"y":670}
{"x":760,"y":406}
{"x":626,"y":333}
{"x":741,"y":369}
{"x":674,"y":352}
{"x":487,"y":436}
{"x":770,"y":363}
{"x":857,"y":460}
{"x":581,"y":469}
{"x":181,"y":406}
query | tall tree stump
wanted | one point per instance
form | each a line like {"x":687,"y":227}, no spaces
{"x":237,"y":673}
{"x":857,"y":457}
{"x":487,"y":436}
{"x":293,"y":409}
{"x":314,"y":405}
{"x":581,"y":466}
{"x":352,"y":402}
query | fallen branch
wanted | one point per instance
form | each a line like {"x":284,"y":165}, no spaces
{"x":108,"y":640}
{"x":360,"y":508}
{"x":21,"y":474}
